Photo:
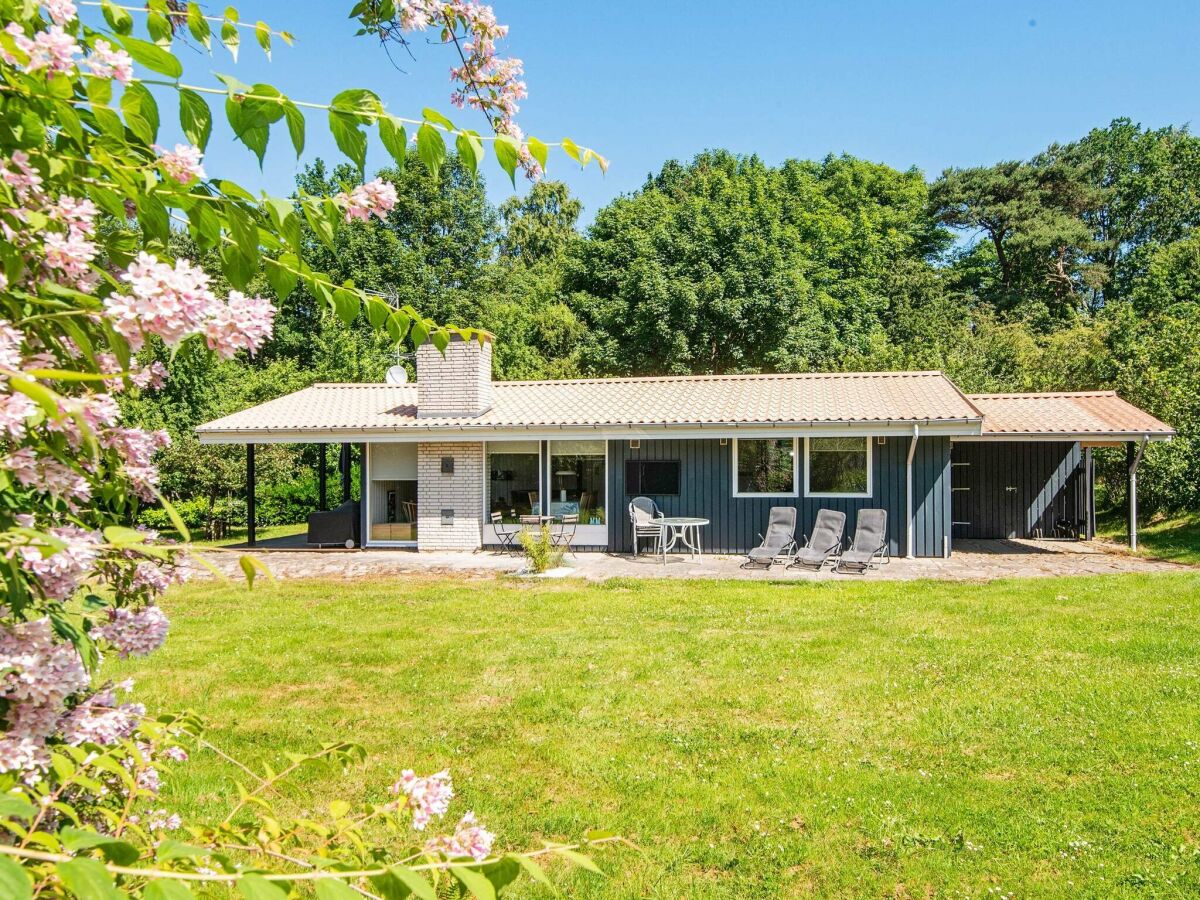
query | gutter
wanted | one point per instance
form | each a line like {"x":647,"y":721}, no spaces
{"x":910,"y":513}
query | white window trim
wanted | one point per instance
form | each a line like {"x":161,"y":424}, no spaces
{"x":870,"y":491}
{"x":550,"y":463}
{"x":794,"y":492}
{"x":365,"y":540}
{"x":485,"y":512}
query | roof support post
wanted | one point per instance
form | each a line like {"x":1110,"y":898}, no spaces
{"x":344,"y":465}
{"x":910,"y":513}
{"x":251,"y":513}
{"x":322,"y":477}
{"x":1134,"y":459}
{"x":1089,"y":476}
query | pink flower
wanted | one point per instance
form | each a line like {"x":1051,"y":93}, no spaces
{"x":106,"y":61}
{"x":15,"y":410}
{"x":72,"y":255}
{"x":61,"y":11}
{"x":60,"y":572}
{"x":49,"y":476}
{"x":10,"y":346}
{"x":182,"y":164}
{"x":134,"y":633}
{"x":426,"y":797}
{"x":375,"y":196}
{"x":169,"y":302}
{"x":101,"y":720}
{"x":53,"y":50}
{"x":241,"y":323}
{"x":175,"y":754}
{"x":469,"y":839}
{"x":79,"y":215}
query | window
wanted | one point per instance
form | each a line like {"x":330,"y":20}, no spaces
{"x":765,"y":466}
{"x":577,"y":480}
{"x":838,"y":467}
{"x":651,"y":477}
{"x":513,"y":472}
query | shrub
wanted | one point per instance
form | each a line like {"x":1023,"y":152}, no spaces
{"x":540,"y":551}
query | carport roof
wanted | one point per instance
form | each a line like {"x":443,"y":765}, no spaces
{"x":1067,"y":415}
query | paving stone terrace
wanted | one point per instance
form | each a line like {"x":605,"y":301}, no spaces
{"x":971,"y":561}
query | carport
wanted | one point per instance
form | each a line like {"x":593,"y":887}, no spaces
{"x":1031,"y":473}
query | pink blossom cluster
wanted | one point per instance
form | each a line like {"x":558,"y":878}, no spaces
{"x":133,"y":633}
{"x":137,"y":447}
{"x":53,"y":50}
{"x":10,"y":346}
{"x":98,"y":411}
{"x":60,"y":572}
{"x":426,"y":797}
{"x":153,"y":376}
{"x":182,"y":163}
{"x":469,"y":839}
{"x":101,"y":719}
{"x":151,"y":578}
{"x":48,"y":475}
{"x":106,"y":61}
{"x":240,"y":323}
{"x":40,"y":673}
{"x":487,"y":82}
{"x":60,"y":11}
{"x":161,"y":820}
{"x":176,"y":302}
{"x":15,"y":411}
{"x":375,"y":197}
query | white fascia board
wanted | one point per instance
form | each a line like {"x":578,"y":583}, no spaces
{"x":408,"y":434}
{"x":1036,"y":437}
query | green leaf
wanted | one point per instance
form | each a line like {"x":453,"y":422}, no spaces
{"x":315,"y":216}
{"x":345,"y":304}
{"x":397,"y":325}
{"x":153,"y":217}
{"x":263,"y":33}
{"x":349,"y":137}
{"x":198,"y":25}
{"x":283,"y":280}
{"x":251,"y":566}
{"x":432,"y":115}
{"x":14,"y":807}
{"x":470,"y":150}
{"x":538,"y":151}
{"x":508,"y":154}
{"x":39,"y":394}
{"x":580,"y":860}
{"x":255,"y":887}
{"x":195,"y":117}
{"x":166,"y":889}
{"x":335,"y":889}
{"x":440,"y":339}
{"x":394,"y":139}
{"x":501,"y":873}
{"x":15,"y":883}
{"x":152,"y":56}
{"x":229,"y":33}
{"x":173,"y":515}
{"x":572,"y":150}
{"x":475,"y":882}
{"x":118,"y":19}
{"x":413,"y":882}
{"x":141,"y":112}
{"x":295,"y":125}
{"x":99,"y":91}
{"x":249,"y":128}
{"x":535,"y":871}
{"x":87,"y":879}
{"x":159,"y":28}
{"x":377,"y":312}
{"x":419,"y":332}
{"x":431,"y":148}
{"x":75,"y":839}
{"x":172,"y":849}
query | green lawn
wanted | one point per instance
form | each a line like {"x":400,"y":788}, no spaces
{"x":755,"y":739}
{"x":1176,"y":538}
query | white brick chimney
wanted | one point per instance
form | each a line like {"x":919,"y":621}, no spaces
{"x":458,"y":382}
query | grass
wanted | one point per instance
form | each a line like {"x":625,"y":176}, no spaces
{"x":238,"y":535}
{"x":1176,"y":538}
{"x":1035,"y":738}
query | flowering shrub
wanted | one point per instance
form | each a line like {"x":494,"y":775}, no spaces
{"x":88,"y":201}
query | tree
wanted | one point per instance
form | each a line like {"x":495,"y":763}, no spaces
{"x":540,"y":225}
{"x":728,"y":265}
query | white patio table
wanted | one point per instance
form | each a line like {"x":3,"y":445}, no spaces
{"x":683,"y":530}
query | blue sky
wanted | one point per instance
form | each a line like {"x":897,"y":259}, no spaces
{"x":925,"y":84}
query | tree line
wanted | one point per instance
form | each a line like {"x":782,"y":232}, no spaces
{"x":1076,"y":269}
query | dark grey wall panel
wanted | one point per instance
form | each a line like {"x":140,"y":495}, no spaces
{"x":706,"y":490}
{"x":1010,"y":489}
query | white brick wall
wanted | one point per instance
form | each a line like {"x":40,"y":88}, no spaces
{"x":462,"y":492}
{"x":457,"y":383}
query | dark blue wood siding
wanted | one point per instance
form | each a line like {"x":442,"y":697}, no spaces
{"x":1011,"y":489}
{"x":706,"y":490}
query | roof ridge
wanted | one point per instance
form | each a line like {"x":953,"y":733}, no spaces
{"x":731,"y":376}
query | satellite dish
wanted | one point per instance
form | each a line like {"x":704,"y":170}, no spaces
{"x":397,"y":375}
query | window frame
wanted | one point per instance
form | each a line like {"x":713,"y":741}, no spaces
{"x":641,"y":491}
{"x":870,"y":491}
{"x":795,"y":491}
{"x":550,"y":463}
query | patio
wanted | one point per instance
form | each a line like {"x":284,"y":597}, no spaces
{"x":971,"y":561}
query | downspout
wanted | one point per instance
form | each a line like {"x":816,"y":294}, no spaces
{"x":908,"y":491}
{"x":1133,"y":467}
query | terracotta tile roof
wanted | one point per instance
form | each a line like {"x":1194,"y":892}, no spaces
{"x":1081,"y":414}
{"x":768,"y":400}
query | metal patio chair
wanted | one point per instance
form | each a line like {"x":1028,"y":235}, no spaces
{"x":506,"y":536}
{"x":870,"y":543}
{"x":826,"y":540}
{"x":779,"y":542}
{"x":564,"y":531}
{"x":642,"y":513}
